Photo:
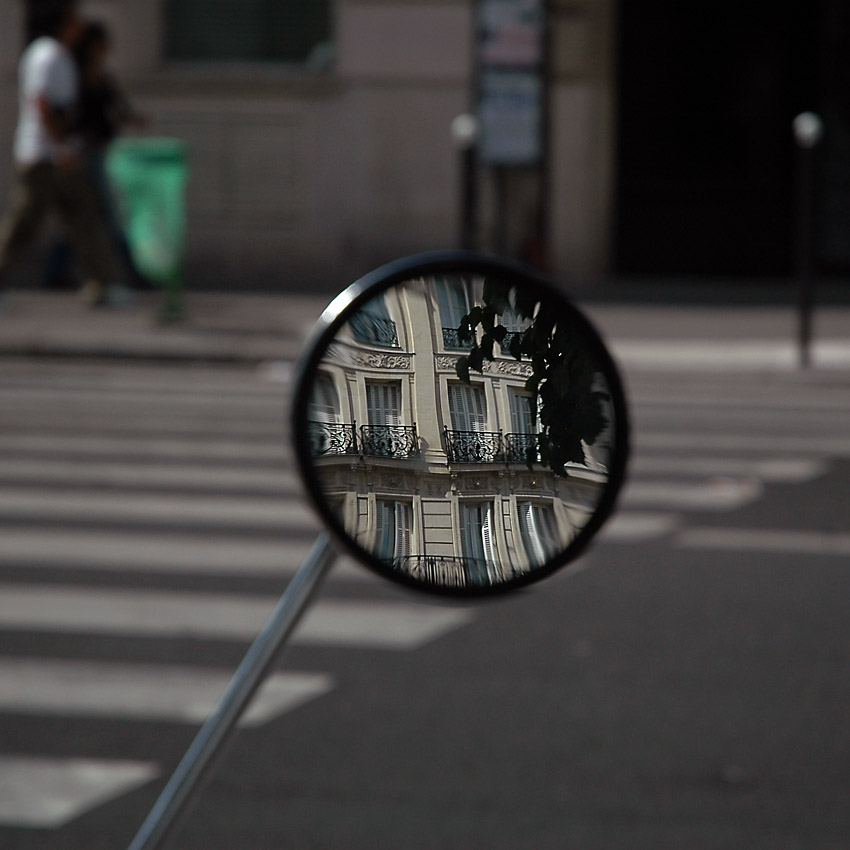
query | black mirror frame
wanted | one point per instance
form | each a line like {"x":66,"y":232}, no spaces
{"x":335,"y":316}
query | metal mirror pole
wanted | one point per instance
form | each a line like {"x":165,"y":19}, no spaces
{"x":249,"y":675}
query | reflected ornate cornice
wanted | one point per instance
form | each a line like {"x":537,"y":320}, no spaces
{"x":346,"y":354}
{"x":381,"y":361}
{"x":513,"y":368}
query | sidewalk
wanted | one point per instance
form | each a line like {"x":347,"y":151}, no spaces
{"x":254,"y":328}
{"x":217,"y":327}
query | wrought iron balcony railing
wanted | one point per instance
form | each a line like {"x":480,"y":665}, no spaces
{"x":508,"y":339}
{"x":389,"y":440}
{"x":444,"y":570}
{"x":332,"y":439}
{"x":521,"y":448}
{"x":451,"y":340}
{"x":374,"y":330}
{"x":473,"y":446}
{"x":491,"y":447}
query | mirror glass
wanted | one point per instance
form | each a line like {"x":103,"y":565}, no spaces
{"x":462,"y":430}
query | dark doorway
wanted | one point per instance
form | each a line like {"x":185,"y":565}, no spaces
{"x":707,"y":93}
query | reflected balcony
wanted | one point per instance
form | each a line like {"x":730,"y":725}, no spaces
{"x":452,"y":341}
{"x":491,"y":447}
{"x":374,"y":330}
{"x":332,"y":439}
{"x":473,"y":446}
{"x":444,"y":570}
{"x":521,"y":448}
{"x":398,"y":441}
{"x":508,"y":339}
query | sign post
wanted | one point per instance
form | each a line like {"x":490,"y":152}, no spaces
{"x":808,"y":132}
{"x":511,"y":98}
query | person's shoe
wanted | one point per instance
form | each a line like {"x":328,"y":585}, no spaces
{"x":93,"y":293}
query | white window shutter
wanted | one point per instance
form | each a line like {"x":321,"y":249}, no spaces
{"x":521,"y":419}
{"x":383,"y":401}
{"x":402,"y":529}
{"x":487,"y":532}
{"x":470,"y":532}
{"x":539,"y":531}
{"x":467,"y":407}
{"x":323,"y":402}
{"x":393,"y":522}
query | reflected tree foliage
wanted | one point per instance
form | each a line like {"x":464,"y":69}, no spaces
{"x":565,"y":394}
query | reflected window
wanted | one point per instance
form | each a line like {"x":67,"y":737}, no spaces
{"x":477,"y":540}
{"x":453,"y":303}
{"x":385,"y":436}
{"x":286,"y":31}
{"x":522,"y":420}
{"x":324,"y":406}
{"x":393,"y":524}
{"x":521,"y":443}
{"x":515,"y":326}
{"x":373,"y":324}
{"x":383,"y":400}
{"x":467,"y":441}
{"x":539,"y":532}
{"x":467,"y":407}
{"x":328,"y":436}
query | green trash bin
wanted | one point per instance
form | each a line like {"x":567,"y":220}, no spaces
{"x":149,"y":176}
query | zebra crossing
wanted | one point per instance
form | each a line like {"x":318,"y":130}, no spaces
{"x":144,"y":505}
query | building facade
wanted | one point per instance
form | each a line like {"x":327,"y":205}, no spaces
{"x":320,"y":140}
{"x":322,"y":154}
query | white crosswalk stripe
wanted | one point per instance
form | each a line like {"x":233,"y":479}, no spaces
{"x":139,"y":612}
{"x":163,"y":477}
{"x":143,"y":692}
{"x":38,"y":792}
{"x":252,"y":514}
{"x":133,"y":551}
{"x":154,"y":464}
{"x":110,"y":477}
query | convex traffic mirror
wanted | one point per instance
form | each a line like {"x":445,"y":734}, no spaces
{"x":460,"y":427}
{"x":459,"y":424}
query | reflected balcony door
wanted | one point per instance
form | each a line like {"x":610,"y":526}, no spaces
{"x":539,"y":532}
{"x":453,"y":303}
{"x":476,"y":534}
{"x":385,"y":436}
{"x":393,"y":526}
{"x":522,"y":444}
{"x":467,"y":441}
{"x":328,"y":436}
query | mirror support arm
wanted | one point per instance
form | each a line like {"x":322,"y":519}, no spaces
{"x":210,"y":740}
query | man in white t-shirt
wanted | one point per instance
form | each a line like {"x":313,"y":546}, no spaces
{"x":49,"y":174}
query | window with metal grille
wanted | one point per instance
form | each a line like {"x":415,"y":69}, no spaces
{"x":281,"y":31}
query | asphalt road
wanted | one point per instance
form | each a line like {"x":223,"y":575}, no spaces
{"x":684,"y":686}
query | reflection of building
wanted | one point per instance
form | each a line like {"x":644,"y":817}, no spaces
{"x":438,"y":476}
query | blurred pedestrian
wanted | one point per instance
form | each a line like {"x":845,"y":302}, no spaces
{"x":49,"y":174}
{"x":102,"y":112}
